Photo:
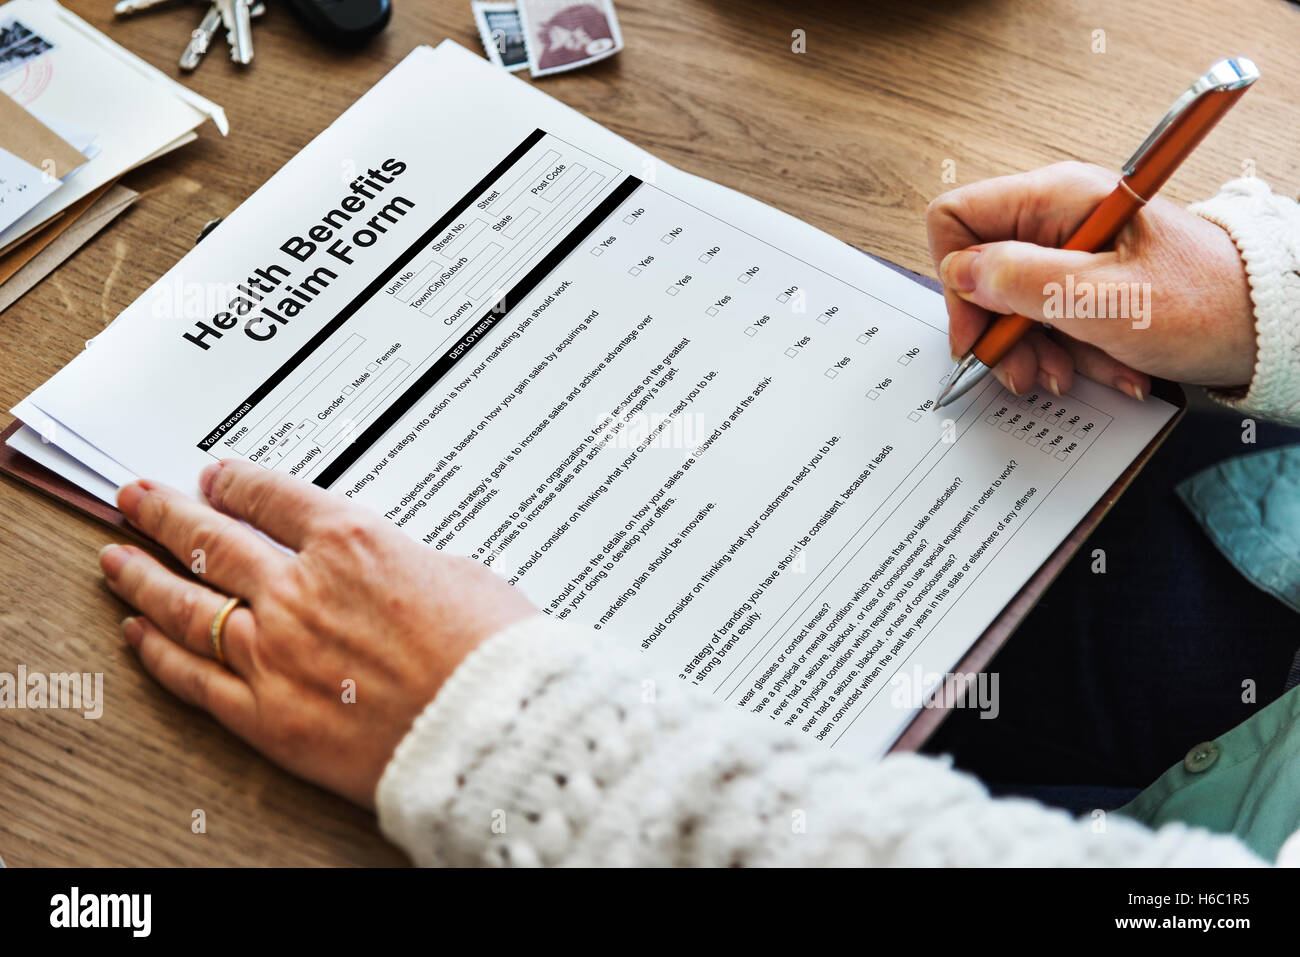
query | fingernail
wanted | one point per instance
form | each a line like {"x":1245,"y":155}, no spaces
{"x":128,"y":499}
{"x":1131,"y":388}
{"x":111,"y":559}
{"x":958,"y":270}
{"x":207,"y":477}
{"x":1054,"y":385}
{"x":132,"y":631}
{"x":1011,"y":384}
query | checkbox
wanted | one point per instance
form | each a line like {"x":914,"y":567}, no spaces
{"x":1047,"y":446}
{"x":711,"y":311}
{"x":914,"y":416}
{"x":823,"y":318}
{"x":873,"y":395}
{"x":744,"y":277}
{"x":1061,"y":455}
{"x":783,"y":298}
{"x":629,"y":220}
{"x":832,"y":372}
{"x":792,"y":352}
{"x":991,"y":419}
{"x":904,"y":359}
{"x":1020,"y":433}
{"x":372,"y":366}
{"x":671,"y":290}
{"x":751,"y":331}
{"x":1005,"y":427}
{"x":706,"y":257}
{"x":634,"y":271}
{"x":864,"y":338}
{"x":348,"y":390}
{"x":668,"y":239}
{"x":1032,"y":440}
{"x":597,"y":250}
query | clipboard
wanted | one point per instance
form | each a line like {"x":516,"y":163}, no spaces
{"x":930,"y":717}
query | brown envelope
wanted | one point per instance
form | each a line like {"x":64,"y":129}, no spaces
{"x":33,"y":142}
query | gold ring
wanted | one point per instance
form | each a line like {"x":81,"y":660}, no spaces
{"x":218,"y":623}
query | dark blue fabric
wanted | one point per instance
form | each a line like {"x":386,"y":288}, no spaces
{"x":1114,"y":676}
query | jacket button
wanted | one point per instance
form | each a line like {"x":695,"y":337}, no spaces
{"x":1201,"y":757}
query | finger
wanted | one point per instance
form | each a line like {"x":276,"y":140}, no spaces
{"x":1055,"y":366}
{"x":1044,"y":206}
{"x":199,"y":682}
{"x":1101,"y":367}
{"x":182,"y":609}
{"x":216,"y":547}
{"x":1042,"y":284}
{"x":966,"y":323}
{"x":1018,"y":369}
{"x":287,"y":509}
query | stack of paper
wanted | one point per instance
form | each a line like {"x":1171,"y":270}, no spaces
{"x":660,"y":408}
{"x":76,"y":112}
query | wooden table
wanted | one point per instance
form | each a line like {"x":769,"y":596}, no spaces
{"x":853,"y":135}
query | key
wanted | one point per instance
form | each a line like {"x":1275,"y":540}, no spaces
{"x":125,"y":8}
{"x":239,"y":34}
{"x":201,"y":37}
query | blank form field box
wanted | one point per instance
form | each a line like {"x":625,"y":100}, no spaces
{"x":991,"y":419}
{"x":832,"y":372}
{"x":597,"y":250}
{"x":1005,"y":426}
{"x":864,"y":338}
{"x":783,"y":298}
{"x":348,"y":390}
{"x":629,"y":219}
{"x":706,"y":257}
{"x":744,"y":277}
{"x":1061,"y":455}
{"x":873,"y":395}
{"x":1047,"y":447}
{"x":751,"y":331}
{"x":671,"y":290}
{"x":792,"y":352}
{"x":1032,"y":440}
{"x":904,"y":359}
{"x":634,"y":271}
{"x":1019,"y":434}
{"x":914,"y":416}
{"x":372,"y":366}
{"x":823,"y":318}
{"x":668,"y":238}
{"x":711,"y":311}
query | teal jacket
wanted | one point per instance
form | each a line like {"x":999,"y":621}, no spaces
{"x":1247,"y":781}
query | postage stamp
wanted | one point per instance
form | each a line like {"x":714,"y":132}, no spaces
{"x":502,"y":33}
{"x":567,"y":34}
{"x":18,"y":44}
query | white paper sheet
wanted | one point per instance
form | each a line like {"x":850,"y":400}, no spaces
{"x":661,"y":408}
{"x":22,"y":187}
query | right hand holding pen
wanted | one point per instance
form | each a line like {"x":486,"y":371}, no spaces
{"x":1189,"y":317}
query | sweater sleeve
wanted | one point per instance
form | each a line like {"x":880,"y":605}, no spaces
{"x":1266,"y":229}
{"x":551,"y":746}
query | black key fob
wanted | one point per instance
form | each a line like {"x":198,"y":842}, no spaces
{"x":344,"y":22}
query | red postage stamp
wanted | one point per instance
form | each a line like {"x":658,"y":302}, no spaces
{"x":566,"y":34}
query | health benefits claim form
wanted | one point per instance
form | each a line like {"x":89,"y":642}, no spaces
{"x":660,"y":408}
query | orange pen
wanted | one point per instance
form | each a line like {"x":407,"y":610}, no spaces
{"x":1188,"y":121}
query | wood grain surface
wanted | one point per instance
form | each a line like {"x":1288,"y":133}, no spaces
{"x":851,"y":135}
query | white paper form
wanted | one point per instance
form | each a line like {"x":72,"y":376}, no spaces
{"x":661,"y":409}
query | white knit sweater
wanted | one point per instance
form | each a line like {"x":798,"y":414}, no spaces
{"x":549,"y":746}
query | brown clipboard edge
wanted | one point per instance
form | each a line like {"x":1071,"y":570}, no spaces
{"x":978,"y":656}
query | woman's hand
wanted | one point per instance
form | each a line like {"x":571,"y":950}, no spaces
{"x":995,"y":244}
{"x":337,"y":647}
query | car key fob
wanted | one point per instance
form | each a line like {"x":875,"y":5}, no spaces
{"x":344,"y":22}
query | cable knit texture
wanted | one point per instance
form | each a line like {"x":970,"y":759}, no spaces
{"x":1266,"y":229}
{"x":550,"y":745}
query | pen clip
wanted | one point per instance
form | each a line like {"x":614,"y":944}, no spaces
{"x":1231,"y":74}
